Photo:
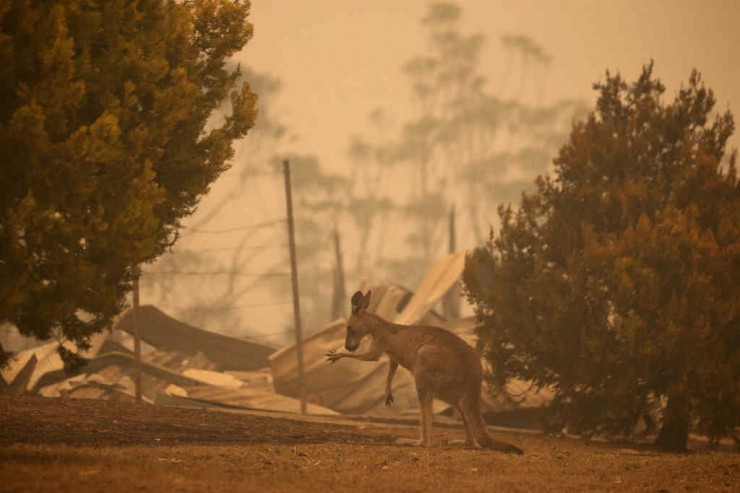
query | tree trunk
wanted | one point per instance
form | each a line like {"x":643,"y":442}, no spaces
{"x":674,"y":434}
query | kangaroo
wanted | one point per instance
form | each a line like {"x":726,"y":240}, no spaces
{"x":444,"y":367}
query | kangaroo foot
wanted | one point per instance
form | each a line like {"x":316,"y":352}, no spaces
{"x":411,"y":442}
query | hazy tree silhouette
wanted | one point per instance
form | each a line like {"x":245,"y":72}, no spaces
{"x":467,"y":144}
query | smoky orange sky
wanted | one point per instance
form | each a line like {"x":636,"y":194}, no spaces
{"x":340,"y":59}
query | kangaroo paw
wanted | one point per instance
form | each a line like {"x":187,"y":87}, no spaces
{"x":332,"y":356}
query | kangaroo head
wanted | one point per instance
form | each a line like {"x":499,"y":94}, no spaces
{"x":356,"y":328}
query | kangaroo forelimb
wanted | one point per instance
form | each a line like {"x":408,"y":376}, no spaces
{"x":372,"y":355}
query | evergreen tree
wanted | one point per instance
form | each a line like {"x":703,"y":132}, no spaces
{"x":615,"y":283}
{"x":106,"y":142}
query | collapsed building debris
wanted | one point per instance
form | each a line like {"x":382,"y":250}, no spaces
{"x":28,"y":366}
{"x":167,"y":333}
{"x":184,"y":365}
{"x":181,"y":365}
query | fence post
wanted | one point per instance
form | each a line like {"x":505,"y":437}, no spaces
{"x":451,"y":299}
{"x":338,"y":299}
{"x":137,"y":336}
{"x":294,"y":279}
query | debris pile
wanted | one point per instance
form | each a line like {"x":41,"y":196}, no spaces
{"x":182,"y":365}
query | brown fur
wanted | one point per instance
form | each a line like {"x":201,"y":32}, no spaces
{"x":444,"y":367}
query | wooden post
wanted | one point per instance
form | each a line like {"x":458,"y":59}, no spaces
{"x":451,"y":246}
{"x":137,"y":337}
{"x":340,"y":292}
{"x":451,"y":299}
{"x":294,"y":279}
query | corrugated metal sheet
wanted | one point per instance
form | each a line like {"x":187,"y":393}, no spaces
{"x":441,"y":276}
{"x":228,"y":353}
{"x":387,"y":300}
{"x":251,"y":398}
{"x":178,"y":360}
{"x":112,"y":367}
{"x":47,"y":358}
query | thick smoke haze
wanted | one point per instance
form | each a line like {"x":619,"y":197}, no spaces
{"x":340,"y":60}
{"x":335,"y":62}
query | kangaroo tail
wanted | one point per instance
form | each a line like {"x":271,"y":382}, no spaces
{"x":484,"y":439}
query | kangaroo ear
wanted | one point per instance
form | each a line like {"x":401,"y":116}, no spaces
{"x":356,"y":301}
{"x":366,"y":301}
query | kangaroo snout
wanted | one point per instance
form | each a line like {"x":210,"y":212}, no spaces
{"x":351,"y":346}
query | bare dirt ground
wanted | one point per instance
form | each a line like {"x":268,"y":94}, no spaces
{"x":85,"y":446}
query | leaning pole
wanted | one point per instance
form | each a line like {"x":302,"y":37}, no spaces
{"x":294,"y":280}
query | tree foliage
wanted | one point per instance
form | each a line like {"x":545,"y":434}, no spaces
{"x":615,"y":283}
{"x":106,"y":141}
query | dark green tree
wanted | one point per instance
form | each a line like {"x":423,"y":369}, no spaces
{"x":615,"y":283}
{"x":106,"y":142}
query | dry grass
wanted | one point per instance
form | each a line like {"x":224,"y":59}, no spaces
{"x":165,"y":449}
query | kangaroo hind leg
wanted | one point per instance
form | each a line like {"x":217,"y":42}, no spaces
{"x":468,"y":424}
{"x":426,"y":377}
{"x":425,"y":423}
{"x":468,"y":427}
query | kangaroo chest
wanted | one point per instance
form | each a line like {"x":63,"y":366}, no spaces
{"x":401,"y":349}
